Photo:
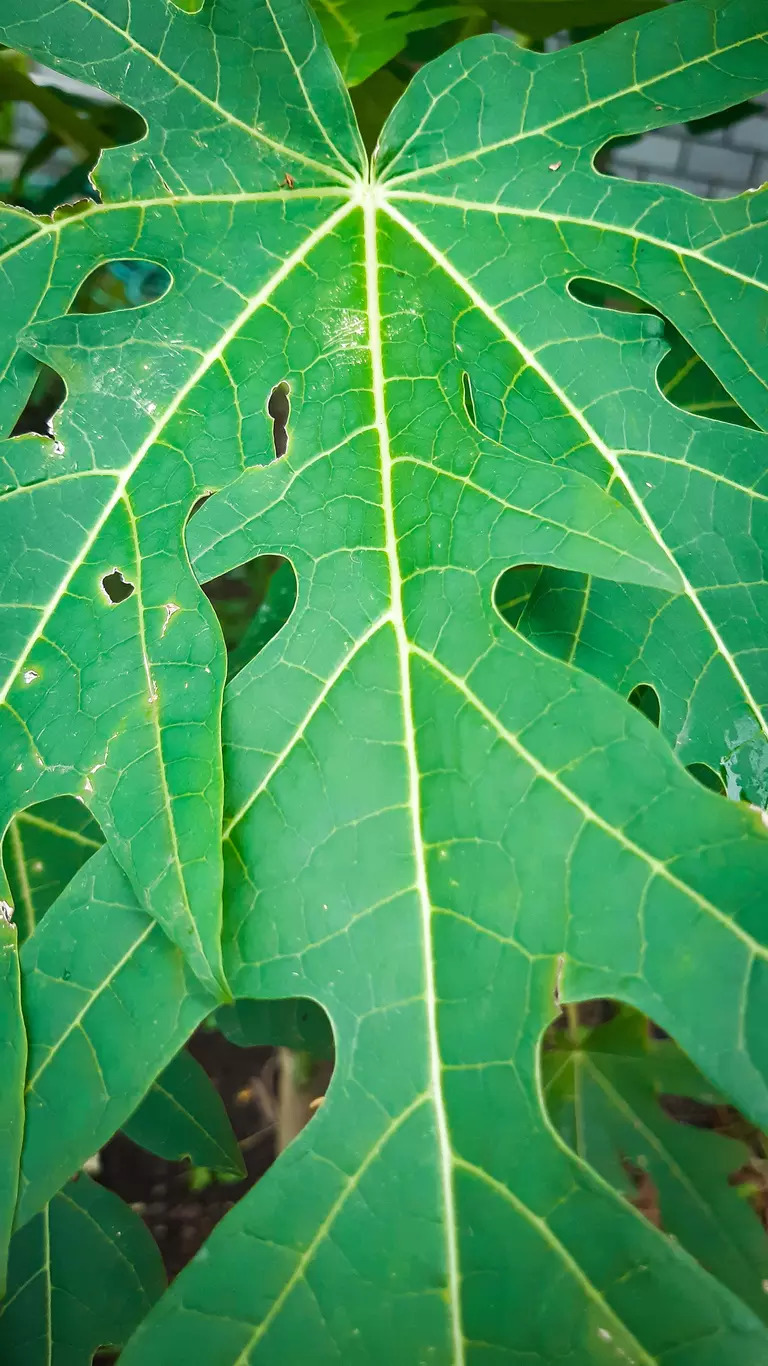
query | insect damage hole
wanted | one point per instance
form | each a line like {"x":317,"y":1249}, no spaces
{"x":47,"y":396}
{"x":646,"y":700}
{"x":116,"y":588}
{"x":468,"y":398}
{"x":279,"y":409}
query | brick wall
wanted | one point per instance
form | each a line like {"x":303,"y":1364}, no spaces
{"x":715,"y":164}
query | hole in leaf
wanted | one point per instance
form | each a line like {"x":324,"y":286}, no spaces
{"x":695,"y":156}
{"x":683,"y":377}
{"x":513,"y":591}
{"x":118,"y":284}
{"x":708,"y":778}
{"x":270,"y":1063}
{"x":48,"y":394}
{"x":43,"y":848}
{"x":468,"y":397}
{"x":56,"y":134}
{"x":116,"y":587}
{"x":279,"y":409}
{"x":646,"y":699}
{"x":121,"y":284}
{"x":252,"y":603}
{"x":608,"y":1072}
{"x":599,"y":295}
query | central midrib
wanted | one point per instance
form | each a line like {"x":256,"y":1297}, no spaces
{"x":414,"y":800}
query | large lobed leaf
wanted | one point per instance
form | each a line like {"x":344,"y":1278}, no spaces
{"x":433,"y":829}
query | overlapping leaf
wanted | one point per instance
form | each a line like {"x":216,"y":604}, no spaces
{"x":604,"y":1090}
{"x":108,"y":1003}
{"x":433,"y":829}
{"x":44,"y":848}
{"x":82,"y":1275}
{"x":182,"y":1115}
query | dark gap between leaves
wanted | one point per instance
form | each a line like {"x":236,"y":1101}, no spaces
{"x":48,"y":393}
{"x":179,"y":1203}
{"x":270,"y":1094}
{"x":708,"y":778}
{"x":252,"y":603}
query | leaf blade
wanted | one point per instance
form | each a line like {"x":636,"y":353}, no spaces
{"x":182,"y":1116}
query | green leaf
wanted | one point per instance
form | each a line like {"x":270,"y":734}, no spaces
{"x":13,"y":1057}
{"x":44,"y":848}
{"x":433,"y":829}
{"x":364,"y":37}
{"x":82,"y":1275}
{"x":120,"y":703}
{"x":686,"y":381}
{"x":604,"y":1096}
{"x":182,"y":1115}
{"x":300,"y":1025}
{"x":267,"y":620}
{"x":703,"y":649}
{"x":108,"y":1002}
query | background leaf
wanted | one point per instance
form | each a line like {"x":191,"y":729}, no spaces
{"x":604,"y":1093}
{"x":182,"y":1115}
{"x":540,"y":18}
{"x":365,"y":37}
{"x":83,"y":1273}
{"x":44,"y":847}
{"x":300,"y":1025}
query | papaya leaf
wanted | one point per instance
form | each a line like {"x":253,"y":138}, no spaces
{"x":82,"y":1275}
{"x":119,"y":702}
{"x":433,"y":829}
{"x":45,"y":846}
{"x":703,"y":649}
{"x":182,"y":1115}
{"x":108,"y":1002}
{"x":14,"y":1057}
{"x":604,"y":1094}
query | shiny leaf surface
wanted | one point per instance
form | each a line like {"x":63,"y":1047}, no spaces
{"x":433,"y":829}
